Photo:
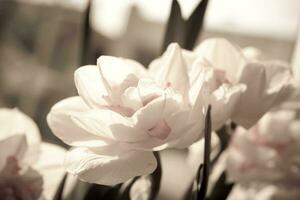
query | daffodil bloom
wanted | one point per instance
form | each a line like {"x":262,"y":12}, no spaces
{"x":124,"y":112}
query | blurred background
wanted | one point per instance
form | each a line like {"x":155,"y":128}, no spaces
{"x":42,"y":42}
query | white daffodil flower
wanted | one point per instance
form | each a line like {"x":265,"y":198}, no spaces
{"x":124,"y":112}
{"x":29,"y":169}
{"x":263,"y":192}
{"x":268,"y":152}
{"x":268,"y":83}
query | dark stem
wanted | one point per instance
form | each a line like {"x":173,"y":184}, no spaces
{"x":206,"y":162}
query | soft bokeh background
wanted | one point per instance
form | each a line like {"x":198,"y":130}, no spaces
{"x":41,"y":44}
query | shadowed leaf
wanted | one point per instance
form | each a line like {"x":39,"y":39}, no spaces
{"x":194,"y":25}
{"x":206,"y":161}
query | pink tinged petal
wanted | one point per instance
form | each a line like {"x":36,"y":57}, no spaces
{"x":124,"y":111}
{"x":267,"y":86}
{"x":222,"y":55}
{"x":106,"y":169}
{"x":110,"y":125}
{"x":90,"y":86}
{"x":13,"y":122}
{"x":33,"y":182}
{"x":12,"y":147}
{"x":128,"y":73}
{"x":11,"y":166}
{"x":161,"y":130}
{"x":174,"y":71}
{"x":61,"y":124}
{"x":179,"y":126}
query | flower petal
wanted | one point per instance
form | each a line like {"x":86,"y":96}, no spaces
{"x":50,"y":165}
{"x":14,"y":146}
{"x":223,"y":55}
{"x":267,"y":86}
{"x":128,"y":74}
{"x":63,"y":127}
{"x":104,"y":169}
{"x":109,"y":124}
{"x":223,"y":102}
{"x":15,"y":122}
{"x":90,"y":86}
{"x":173,"y":70}
{"x":158,"y":109}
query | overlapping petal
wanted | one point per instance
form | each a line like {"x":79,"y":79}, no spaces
{"x":107,"y":168}
{"x":60,"y":122}
{"x":268,"y":84}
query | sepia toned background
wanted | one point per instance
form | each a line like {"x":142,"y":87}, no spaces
{"x":42,"y":42}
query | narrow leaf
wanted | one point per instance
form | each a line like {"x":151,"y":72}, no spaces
{"x":206,"y":161}
{"x":221,"y":189}
{"x":175,"y":27}
{"x":194,"y":25}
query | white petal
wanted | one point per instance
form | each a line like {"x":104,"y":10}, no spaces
{"x":223,"y":102}
{"x":106,"y":169}
{"x":63,"y":127}
{"x":148,"y":90}
{"x":90,"y":86}
{"x":109,"y":124}
{"x":200,"y":92}
{"x":267,"y":86}
{"x":15,"y":146}
{"x":131,"y":99}
{"x":173,"y":70}
{"x":50,"y":165}
{"x":192,"y":135}
{"x":160,"y":108}
{"x":15,"y":122}
{"x":223,"y":55}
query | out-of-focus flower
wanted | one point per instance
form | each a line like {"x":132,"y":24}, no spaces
{"x":141,"y":189}
{"x":268,"y":152}
{"x":123,"y":113}
{"x":263,"y":192}
{"x":268,"y":83}
{"x":16,"y":181}
{"x":25,"y":161}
